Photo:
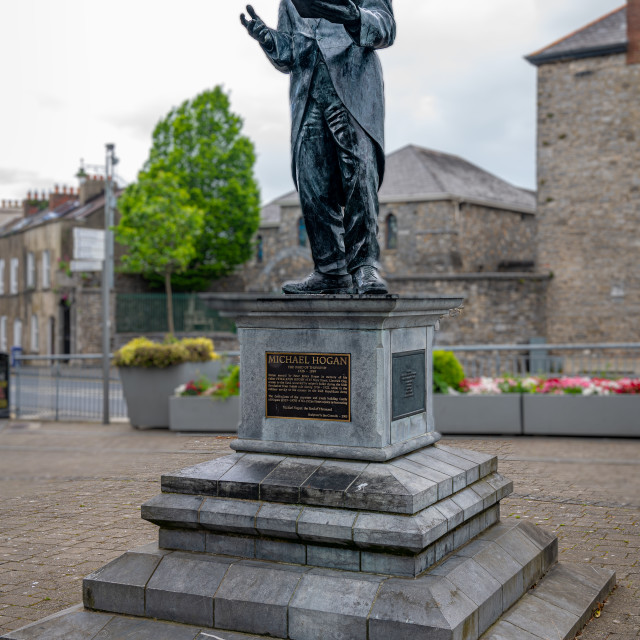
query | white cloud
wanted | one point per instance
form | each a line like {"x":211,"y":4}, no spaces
{"x":76,"y":75}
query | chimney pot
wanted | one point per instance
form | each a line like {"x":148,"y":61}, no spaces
{"x":56,"y":189}
{"x":633,"y":31}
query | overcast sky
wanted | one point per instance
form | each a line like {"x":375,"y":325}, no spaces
{"x":76,"y":74}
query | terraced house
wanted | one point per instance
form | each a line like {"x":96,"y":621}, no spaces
{"x":44,"y":310}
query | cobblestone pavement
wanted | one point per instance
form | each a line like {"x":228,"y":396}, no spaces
{"x":70,"y":498}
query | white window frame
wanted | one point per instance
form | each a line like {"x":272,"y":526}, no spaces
{"x":31,"y":270}
{"x":15,"y":269}
{"x":1,"y":277}
{"x":17,"y":332}
{"x":46,"y":269}
{"x":3,"y":334}
{"x":35,"y":334}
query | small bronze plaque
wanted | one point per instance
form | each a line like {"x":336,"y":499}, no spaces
{"x":408,"y":389}
{"x":309,"y":386}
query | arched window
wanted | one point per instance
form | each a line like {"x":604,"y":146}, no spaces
{"x":260,"y":250}
{"x":392,"y":232}
{"x":302,"y":232}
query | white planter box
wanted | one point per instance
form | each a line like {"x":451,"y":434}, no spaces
{"x":490,"y":415}
{"x":147,"y":391}
{"x":197,"y":413}
{"x":566,"y":415}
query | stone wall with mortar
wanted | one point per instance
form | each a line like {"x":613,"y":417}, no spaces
{"x":499,"y":308}
{"x":589,"y":198}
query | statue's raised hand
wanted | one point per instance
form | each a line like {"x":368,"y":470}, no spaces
{"x":257,"y":29}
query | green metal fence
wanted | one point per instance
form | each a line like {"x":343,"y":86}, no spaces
{"x":147,"y":313}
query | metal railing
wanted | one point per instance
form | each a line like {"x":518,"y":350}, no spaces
{"x":610,"y":360}
{"x":65,"y":388}
{"x":147,"y":313}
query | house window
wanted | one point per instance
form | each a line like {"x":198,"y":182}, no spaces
{"x":392,"y":232}
{"x":17,"y":333}
{"x":1,"y":277}
{"x":302,"y":232}
{"x":3,"y":334}
{"x":35,"y":335}
{"x":260,"y":250}
{"x":46,"y":269}
{"x":14,"y":276}
{"x":31,"y":270}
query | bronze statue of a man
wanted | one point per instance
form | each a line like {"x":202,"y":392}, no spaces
{"x":337,"y":131}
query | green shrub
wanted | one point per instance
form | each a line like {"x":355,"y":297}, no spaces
{"x":447,"y":371}
{"x":141,"y":352}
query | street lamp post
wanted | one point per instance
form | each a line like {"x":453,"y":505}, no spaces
{"x":107,"y":277}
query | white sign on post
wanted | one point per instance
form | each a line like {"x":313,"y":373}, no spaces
{"x":88,"y":249}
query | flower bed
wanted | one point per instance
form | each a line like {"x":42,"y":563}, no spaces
{"x":541,"y":406}
{"x":202,"y":405}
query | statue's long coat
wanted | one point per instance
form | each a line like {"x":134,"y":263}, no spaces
{"x":351,"y":59}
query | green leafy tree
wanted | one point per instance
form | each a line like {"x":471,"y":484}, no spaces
{"x":160,"y":227}
{"x":201,"y":144}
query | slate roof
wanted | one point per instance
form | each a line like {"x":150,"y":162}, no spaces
{"x":415,"y":174}
{"x":70,"y":210}
{"x":605,"y":36}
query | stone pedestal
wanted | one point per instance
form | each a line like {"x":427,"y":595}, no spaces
{"x":355,"y":525}
{"x":379,"y":347}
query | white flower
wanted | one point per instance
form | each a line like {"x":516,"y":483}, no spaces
{"x":180,"y":390}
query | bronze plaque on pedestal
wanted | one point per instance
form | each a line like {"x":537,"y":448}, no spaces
{"x":309,"y":386}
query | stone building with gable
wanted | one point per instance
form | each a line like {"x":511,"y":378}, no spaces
{"x":589,"y":180}
{"x":446,"y":227}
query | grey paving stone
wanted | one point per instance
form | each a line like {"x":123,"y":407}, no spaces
{"x":433,"y":524}
{"x":378,"y":489}
{"x":233,"y":516}
{"x":70,"y":624}
{"x":243,"y":479}
{"x":501,"y":566}
{"x":182,"y":540}
{"x":506,"y":631}
{"x":443,"y":482}
{"x":253,"y":597}
{"x":182,"y":588}
{"x":326,"y":525}
{"x":422,"y":489}
{"x":201,"y":479}
{"x":461,"y":535}
{"x":479,"y":586}
{"x":278,"y":520}
{"x":279,"y":551}
{"x":563,"y":587}
{"x":136,"y":629}
{"x":444,"y":546}
{"x":407,"y":610}
{"x":458,"y":476}
{"x":390,"y":565}
{"x":388,"y":532}
{"x":345,"y":559}
{"x":486,"y":492}
{"x":284,"y":482}
{"x":460,"y":611}
{"x":328,"y":484}
{"x":543,"y":619}
{"x":469,"y":501}
{"x":229,"y":545}
{"x":488,"y":463}
{"x":118,"y":587}
{"x":332,"y":605}
{"x":172,"y":510}
{"x":502,"y":485}
{"x":451,"y":511}
{"x":472,"y":468}
{"x":519,"y":547}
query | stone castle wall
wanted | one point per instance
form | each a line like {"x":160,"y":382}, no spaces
{"x":589,"y":198}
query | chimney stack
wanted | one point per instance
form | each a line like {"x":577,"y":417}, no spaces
{"x":633,"y":31}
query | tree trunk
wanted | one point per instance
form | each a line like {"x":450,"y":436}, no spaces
{"x":169,"y":292}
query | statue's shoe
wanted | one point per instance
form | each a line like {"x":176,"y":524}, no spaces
{"x":367,"y":281}
{"x":316,"y":283}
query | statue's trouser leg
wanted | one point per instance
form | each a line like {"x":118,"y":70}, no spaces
{"x":320,"y":190}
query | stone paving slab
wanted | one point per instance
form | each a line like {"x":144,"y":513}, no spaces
{"x":70,"y":497}
{"x":405,"y":485}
